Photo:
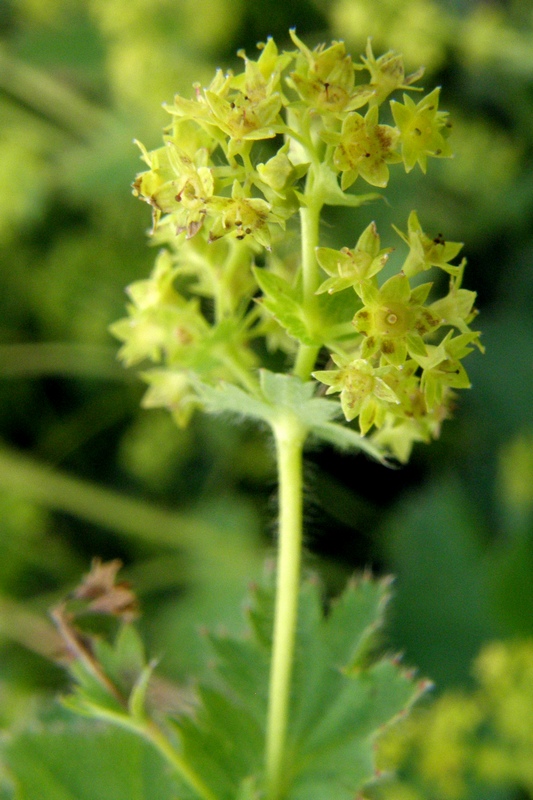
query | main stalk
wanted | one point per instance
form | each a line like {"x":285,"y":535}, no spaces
{"x":290,"y":436}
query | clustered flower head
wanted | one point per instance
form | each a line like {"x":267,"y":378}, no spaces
{"x":292,"y":132}
{"x":399,"y":375}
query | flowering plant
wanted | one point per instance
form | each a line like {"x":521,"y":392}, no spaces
{"x":227,"y":299}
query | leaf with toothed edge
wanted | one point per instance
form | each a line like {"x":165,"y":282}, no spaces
{"x":283,"y":393}
{"x":344,"y":694}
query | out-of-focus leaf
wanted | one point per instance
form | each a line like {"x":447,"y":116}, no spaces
{"x":83,"y":761}
{"x":343,"y":697}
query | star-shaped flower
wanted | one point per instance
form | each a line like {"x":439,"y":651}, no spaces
{"x":363,"y":392}
{"x":365,"y":148}
{"x":423,"y":129}
{"x":349,"y":267}
{"x":387,"y":73}
{"x":394,"y":319}
{"x":240,"y":216}
{"x":324,"y":79}
{"x":425,"y":252}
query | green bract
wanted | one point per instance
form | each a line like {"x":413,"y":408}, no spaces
{"x":241,"y":160}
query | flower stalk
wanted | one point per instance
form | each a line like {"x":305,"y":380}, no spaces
{"x":289,"y":436}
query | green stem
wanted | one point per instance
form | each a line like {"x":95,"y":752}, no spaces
{"x":290,"y":436}
{"x":309,"y":224}
{"x":153,"y":734}
{"x":305,"y":361}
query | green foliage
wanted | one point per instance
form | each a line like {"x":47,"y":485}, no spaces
{"x":345,"y":695}
{"x":282,"y":394}
{"x":67,"y":758}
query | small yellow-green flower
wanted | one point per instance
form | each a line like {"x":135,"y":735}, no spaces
{"x":394,"y":319}
{"x":240,"y":118}
{"x":176,"y":184}
{"x":161,"y":324}
{"x":387,"y":73}
{"x":363,"y":392}
{"x":398,"y":435}
{"x":425,"y":252}
{"x":423,"y":129}
{"x":170,"y":389}
{"x":365,"y":148}
{"x":240,"y":216}
{"x":239,"y":108}
{"x":457,"y":307}
{"x":324,"y":79}
{"x":442,"y":367}
{"x":349,"y":267}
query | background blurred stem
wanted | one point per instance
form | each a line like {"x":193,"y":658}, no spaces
{"x":138,"y":518}
{"x":70,"y":359}
{"x":44,"y":95}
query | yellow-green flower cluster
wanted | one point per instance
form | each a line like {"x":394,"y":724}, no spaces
{"x":399,"y":375}
{"x":292,"y":132}
{"x":205,"y":176}
{"x":475,"y":743}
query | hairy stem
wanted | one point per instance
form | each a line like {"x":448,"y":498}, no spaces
{"x":290,"y":436}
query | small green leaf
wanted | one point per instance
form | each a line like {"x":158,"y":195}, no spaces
{"x":137,"y":698}
{"x":285,"y":391}
{"x":285,"y":305}
{"x":228,"y":398}
{"x":281,"y":393}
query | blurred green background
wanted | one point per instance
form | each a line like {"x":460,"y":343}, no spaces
{"x":84,"y":472}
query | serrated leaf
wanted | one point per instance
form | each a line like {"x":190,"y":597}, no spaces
{"x":224,"y":744}
{"x":90,"y":692}
{"x":339,"y":701}
{"x":285,"y":305}
{"x":360,"y":609}
{"x":336,"y":714}
{"x":83,"y":761}
{"x":228,"y":398}
{"x":281,"y":392}
{"x":285,"y":390}
{"x":290,"y":393}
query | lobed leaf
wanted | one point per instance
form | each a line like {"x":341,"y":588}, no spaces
{"x":343,"y":696}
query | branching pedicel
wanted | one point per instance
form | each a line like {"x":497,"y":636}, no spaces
{"x":227,"y":292}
